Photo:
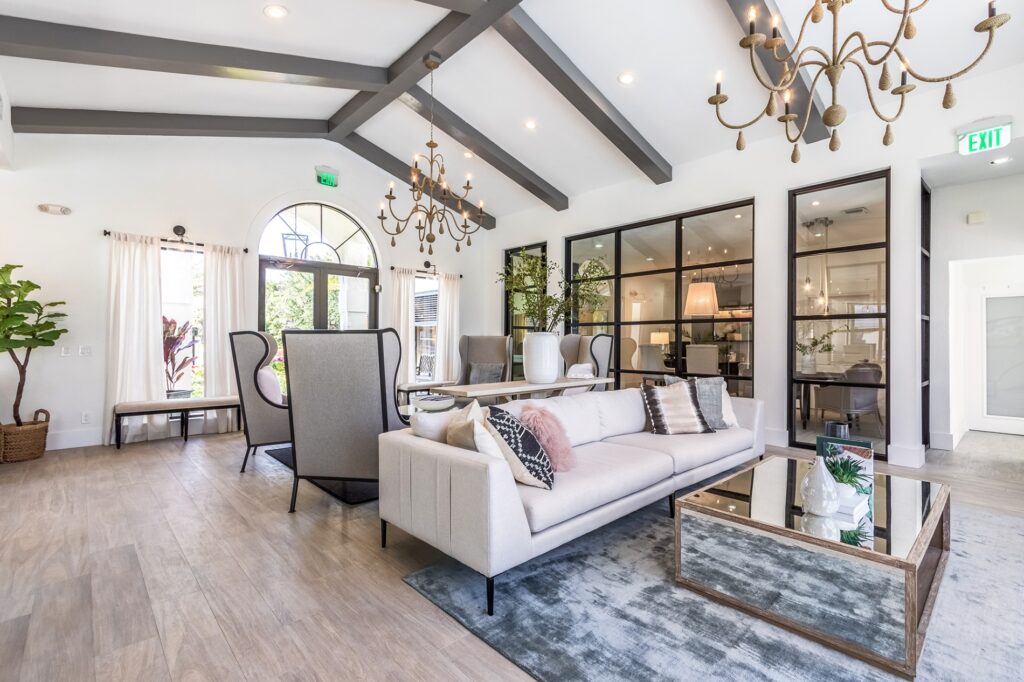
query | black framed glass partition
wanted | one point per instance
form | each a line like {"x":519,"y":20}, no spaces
{"x":679,"y":298}
{"x":839,"y":309}
{"x":516,"y":323}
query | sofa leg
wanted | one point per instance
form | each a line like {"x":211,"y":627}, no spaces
{"x":383,"y":533}
{"x":295,"y":491}
{"x":246,"y":458}
{"x":490,"y":596}
{"x":672,"y":505}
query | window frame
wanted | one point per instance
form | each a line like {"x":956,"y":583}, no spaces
{"x":617,"y":278}
{"x":793,"y":317}
{"x":509,"y":328}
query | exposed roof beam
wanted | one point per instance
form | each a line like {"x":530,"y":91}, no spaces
{"x":94,"y":122}
{"x":532,"y":43}
{"x":80,"y":45}
{"x":397,"y":167}
{"x":447,"y":120}
{"x":766,"y":9}
{"x":449,"y":36}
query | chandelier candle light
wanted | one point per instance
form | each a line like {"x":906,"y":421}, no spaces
{"x":431,"y":194}
{"x":854,"y":51}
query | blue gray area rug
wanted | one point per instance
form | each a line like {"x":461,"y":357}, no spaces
{"x":605,"y":607}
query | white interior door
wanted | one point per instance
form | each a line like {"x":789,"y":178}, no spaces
{"x":999,"y":385}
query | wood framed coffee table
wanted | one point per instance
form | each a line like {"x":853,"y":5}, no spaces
{"x":744,"y":541}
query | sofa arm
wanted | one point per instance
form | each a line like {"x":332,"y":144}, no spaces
{"x":750,"y":414}
{"x":462,"y":502}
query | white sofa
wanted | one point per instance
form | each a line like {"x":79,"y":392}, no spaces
{"x":469,"y":506}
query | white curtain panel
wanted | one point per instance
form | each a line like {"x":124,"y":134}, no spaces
{"x":135,"y":369}
{"x":403,"y":319}
{"x":447,"y":366}
{"x":224,"y":301}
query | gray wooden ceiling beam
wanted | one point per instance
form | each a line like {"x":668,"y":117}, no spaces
{"x":766,"y":9}
{"x":96,"y":122}
{"x":32,"y":39}
{"x":472,"y":139}
{"x":396,"y":167}
{"x":449,"y":36}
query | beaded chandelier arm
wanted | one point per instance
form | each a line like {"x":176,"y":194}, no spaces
{"x":854,"y":51}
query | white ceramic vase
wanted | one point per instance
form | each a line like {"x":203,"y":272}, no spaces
{"x":540,"y":357}
{"x":809,"y":364}
{"x":819,"y":490}
{"x":822,"y":527}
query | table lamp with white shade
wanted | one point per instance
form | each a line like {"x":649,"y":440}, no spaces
{"x":659,"y":339}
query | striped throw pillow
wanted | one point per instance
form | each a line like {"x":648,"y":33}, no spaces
{"x":674,"y":409}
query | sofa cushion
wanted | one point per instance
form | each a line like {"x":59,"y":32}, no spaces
{"x":604,"y":472}
{"x":593,"y":416}
{"x":691,"y":450}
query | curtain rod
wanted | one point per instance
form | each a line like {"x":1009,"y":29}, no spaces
{"x":425,"y":272}
{"x":106,"y":233}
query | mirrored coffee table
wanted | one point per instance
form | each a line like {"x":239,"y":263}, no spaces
{"x":865,"y":586}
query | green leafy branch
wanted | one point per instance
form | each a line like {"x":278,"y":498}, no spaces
{"x":526,"y":278}
{"x":821,"y":344}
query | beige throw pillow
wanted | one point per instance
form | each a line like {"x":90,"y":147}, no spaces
{"x":466,"y":430}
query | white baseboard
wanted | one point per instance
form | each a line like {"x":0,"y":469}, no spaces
{"x":777,"y":437}
{"x":943,"y":440}
{"x":74,"y":438}
{"x":906,"y":455}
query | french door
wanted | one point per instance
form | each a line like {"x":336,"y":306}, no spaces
{"x":996,"y":367}
{"x":296,"y":294}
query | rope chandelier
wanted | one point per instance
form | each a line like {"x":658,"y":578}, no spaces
{"x":854,"y":51}
{"x":431,"y":194}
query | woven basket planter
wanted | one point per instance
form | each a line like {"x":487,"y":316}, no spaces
{"x":25,"y":442}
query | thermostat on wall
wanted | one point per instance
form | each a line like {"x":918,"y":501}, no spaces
{"x":327,"y":176}
{"x":977,"y":217}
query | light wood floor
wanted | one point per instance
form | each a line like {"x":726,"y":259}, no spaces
{"x":162,"y":562}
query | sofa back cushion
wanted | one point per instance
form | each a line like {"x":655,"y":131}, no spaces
{"x":593,"y":416}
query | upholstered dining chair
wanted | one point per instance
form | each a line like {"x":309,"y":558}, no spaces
{"x":850,"y":402}
{"x":342,"y":395}
{"x":595,"y":351}
{"x":485,"y":359}
{"x":264,"y":407}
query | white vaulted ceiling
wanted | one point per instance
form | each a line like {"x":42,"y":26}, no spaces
{"x":672,"y":47}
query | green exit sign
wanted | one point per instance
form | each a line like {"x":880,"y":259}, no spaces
{"x":327,"y":176}
{"x":985,"y":140}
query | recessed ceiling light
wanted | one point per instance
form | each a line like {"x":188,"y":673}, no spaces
{"x":468,"y":155}
{"x":739,"y":216}
{"x":599,"y":245}
{"x":815,"y":203}
{"x":1000,"y":161}
{"x":817,"y":234}
{"x":275,"y":11}
{"x":626,"y":78}
{"x":530,"y":124}
{"x":649,"y":259}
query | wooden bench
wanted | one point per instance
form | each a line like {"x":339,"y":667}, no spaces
{"x":179,"y":406}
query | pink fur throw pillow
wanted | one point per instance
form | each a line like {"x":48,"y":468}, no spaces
{"x":551,"y":435}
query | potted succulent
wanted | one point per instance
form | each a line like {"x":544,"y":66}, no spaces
{"x":525,"y":279}
{"x":177,"y":340}
{"x":25,"y":325}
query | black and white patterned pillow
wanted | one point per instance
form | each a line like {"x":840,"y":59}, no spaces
{"x":530,"y":463}
{"x":674,"y":409}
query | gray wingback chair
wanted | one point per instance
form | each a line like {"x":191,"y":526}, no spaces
{"x":485,"y":350}
{"x":595,"y":351}
{"x":264,"y":407}
{"x":342,"y":395}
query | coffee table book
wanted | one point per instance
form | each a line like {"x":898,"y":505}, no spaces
{"x":740,"y":542}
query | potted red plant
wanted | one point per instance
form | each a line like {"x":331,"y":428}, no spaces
{"x":177,"y":340}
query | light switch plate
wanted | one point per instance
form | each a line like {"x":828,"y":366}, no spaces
{"x":85,"y":351}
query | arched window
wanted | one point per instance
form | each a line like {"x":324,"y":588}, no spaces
{"x":318,"y":270}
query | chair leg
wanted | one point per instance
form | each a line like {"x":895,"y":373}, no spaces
{"x":117,"y":428}
{"x":383,"y":533}
{"x":246,"y":458}
{"x":490,"y":596}
{"x":295,"y":491}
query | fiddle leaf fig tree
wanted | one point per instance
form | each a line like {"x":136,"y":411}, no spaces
{"x":25,"y":325}
{"x":526,"y":279}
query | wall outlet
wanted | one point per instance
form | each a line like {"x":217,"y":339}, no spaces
{"x":86,"y":418}
{"x":65,"y":352}
{"x":85,"y":351}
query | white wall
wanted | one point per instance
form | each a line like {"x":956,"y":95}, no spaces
{"x":956,"y":267}
{"x":223,"y":191}
{"x":764,"y":172}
